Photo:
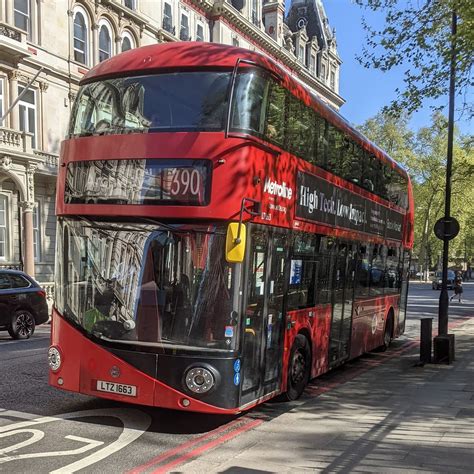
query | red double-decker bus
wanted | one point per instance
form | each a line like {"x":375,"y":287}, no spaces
{"x":223,"y":235}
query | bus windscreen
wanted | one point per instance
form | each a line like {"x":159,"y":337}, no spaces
{"x":147,"y":286}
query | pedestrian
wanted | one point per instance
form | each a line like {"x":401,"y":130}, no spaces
{"x":457,"y":288}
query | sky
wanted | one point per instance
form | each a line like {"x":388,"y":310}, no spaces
{"x":366,"y":91}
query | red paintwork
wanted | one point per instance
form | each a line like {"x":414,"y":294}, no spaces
{"x":182,"y":56}
{"x":240,"y":167}
{"x":243,"y":174}
{"x":85,"y":362}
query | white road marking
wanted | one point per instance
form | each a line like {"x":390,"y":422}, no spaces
{"x":135,"y":423}
{"x":37,"y":436}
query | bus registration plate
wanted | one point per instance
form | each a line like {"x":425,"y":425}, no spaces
{"x":119,"y":388}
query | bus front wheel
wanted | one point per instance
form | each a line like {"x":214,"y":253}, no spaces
{"x":299,"y":367}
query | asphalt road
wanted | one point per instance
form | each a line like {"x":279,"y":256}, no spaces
{"x":46,"y":430}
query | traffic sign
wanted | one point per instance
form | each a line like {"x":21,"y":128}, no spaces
{"x":446,"y":228}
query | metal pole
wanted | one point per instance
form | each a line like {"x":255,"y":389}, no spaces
{"x":443,"y":298}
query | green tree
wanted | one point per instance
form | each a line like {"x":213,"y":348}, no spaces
{"x":418,"y":34}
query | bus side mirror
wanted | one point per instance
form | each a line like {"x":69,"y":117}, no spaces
{"x":235,"y":243}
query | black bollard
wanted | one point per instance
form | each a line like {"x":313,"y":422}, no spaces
{"x":425,"y":340}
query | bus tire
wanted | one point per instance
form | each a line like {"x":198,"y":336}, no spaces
{"x":299,"y":368}
{"x":388,"y":332}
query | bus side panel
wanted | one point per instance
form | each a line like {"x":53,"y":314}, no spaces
{"x":368,"y":324}
{"x":313,"y":323}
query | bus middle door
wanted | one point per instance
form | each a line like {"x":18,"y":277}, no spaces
{"x":263,"y":319}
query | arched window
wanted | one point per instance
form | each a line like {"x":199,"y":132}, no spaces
{"x":81,"y":32}
{"x":105,"y":41}
{"x":127,"y":41}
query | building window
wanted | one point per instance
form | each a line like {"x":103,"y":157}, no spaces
{"x":37,"y":232}
{"x":22,"y":15}
{"x":312,"y":64}
{"x":105,"y":42}
{"x":27,"y":110}
{"x":80,"y":38}
{"x":301,"y":54}
{"x":255,"y":19}
{"x":323,"y":72}
{"x":199,"y":33}
{"x":127,"y":41}
{"x":333,"y":80}
{"x":235,"y":42}
{"x":1,"y":100}
{"x":184,"y":29}
{"x":168,"y":18}
{"x":3,"y":227}
{"x":130,"y":4}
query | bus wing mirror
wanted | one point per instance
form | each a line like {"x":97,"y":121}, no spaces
{"x":235,"y":242}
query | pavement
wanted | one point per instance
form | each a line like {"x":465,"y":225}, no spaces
{"x":381,"y":413}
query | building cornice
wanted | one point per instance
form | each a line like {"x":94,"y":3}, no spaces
{"x":261,"y":39}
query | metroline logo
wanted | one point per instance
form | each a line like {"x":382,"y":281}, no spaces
{"x":273,"y":187}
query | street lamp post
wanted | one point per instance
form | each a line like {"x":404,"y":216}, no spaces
{"x":444,"y":342}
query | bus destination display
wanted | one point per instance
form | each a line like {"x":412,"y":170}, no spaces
{"x":146,"y":182}
{"x":320,"y":201}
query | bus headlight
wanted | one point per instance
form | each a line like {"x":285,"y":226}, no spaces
{"x":54,"y":359}
{"x":199,"y":380}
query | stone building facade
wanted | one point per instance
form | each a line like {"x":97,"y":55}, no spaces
{"x":46,"y":47}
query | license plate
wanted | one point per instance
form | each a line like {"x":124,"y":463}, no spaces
{"x":119,"y":388}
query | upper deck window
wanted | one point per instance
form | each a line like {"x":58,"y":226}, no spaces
{"x":166,"y":102}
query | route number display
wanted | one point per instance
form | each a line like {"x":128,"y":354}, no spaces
{"x":183,"y":182}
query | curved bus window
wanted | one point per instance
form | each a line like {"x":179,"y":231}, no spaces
{"x":249,"y":101}
{"x":276,"y":114}
{"x":162,"y":102}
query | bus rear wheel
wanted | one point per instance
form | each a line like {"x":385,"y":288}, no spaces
{"x":388,"y":333}
{"x":299,"y":367}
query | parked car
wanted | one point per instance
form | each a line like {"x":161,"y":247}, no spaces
{"x":22,"y":304}
{"x":438,"y":280}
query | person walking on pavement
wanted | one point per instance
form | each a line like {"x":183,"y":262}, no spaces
{"x":457,"y":288}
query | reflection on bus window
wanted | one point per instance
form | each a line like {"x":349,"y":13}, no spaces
{"x":174,"y":101}
{"x":249,"y":101}
{"x":135,"y":284}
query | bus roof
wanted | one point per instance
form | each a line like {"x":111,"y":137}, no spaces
{"x":187,"y":55}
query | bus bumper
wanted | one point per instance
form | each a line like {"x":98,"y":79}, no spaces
{"x":88,"y":368}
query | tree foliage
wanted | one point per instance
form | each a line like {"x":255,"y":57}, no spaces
{"x":423,"y":153}
{"x":417,"y":33}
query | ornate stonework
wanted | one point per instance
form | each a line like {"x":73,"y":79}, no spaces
{"x":6,"y":163}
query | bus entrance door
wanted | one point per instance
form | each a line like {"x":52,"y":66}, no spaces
{"x":343,"y":293}
{"x":264,"y":319}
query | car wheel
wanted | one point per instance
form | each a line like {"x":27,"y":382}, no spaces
{"x":22,"y":325}
{"x":299,"y":368}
